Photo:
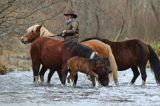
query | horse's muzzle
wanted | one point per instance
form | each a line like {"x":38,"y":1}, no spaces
{"x":24,"y":41}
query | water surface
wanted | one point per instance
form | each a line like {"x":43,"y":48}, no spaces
{"x":17,"y":89}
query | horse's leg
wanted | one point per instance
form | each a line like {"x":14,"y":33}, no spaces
{"x":92,"y":80}
{"x":42,"y":72}
{"x":60,"y":76}
{"x":135,"y":74}
{"x":63,"y":74}
{"x":75,"y":79}
{"x":71,"y":79}
{"x":143,"y":74}
{"x":93,"y":74}
{"x":88,"y":77}
{"x":68,"y":78}
{"x":50,"y":74}
{"x":35,"y":67}
{"x":73,"y":76}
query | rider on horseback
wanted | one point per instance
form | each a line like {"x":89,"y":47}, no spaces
{"x":71,"y":33}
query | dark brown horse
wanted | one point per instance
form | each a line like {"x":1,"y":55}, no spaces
{"x":52,"y":53}
{"x":133,"y":54}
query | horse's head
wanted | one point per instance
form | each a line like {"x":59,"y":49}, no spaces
{"x":103,"y":70}
{"x":32,"y":34}
{"x":35,"y":32}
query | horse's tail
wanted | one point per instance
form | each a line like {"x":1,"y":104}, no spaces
{"x":113,"y":65}
{"x":155,"y":64}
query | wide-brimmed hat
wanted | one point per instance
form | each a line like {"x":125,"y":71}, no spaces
{"x":71,"y":12}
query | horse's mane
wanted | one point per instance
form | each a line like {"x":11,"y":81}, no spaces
{"x":44,"y":32}
{"x":97,"y":38}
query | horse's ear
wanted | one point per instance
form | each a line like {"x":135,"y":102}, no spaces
{"x":38,"y":28}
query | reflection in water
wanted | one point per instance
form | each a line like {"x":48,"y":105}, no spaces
{"x":17,"y":89}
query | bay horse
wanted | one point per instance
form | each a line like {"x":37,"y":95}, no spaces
{"x":95,"y":69}
{"x":133,"y":54}
{"x":52,"y":53}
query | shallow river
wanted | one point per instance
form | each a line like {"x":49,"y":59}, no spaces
{"x":17,"y":89}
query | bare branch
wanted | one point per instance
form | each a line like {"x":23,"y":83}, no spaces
{"x":123,"y":23}
{"x":97,"y":19}
{"x":120,"y":30}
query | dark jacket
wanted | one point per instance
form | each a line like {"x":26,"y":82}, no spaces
{"x":72,"y":31}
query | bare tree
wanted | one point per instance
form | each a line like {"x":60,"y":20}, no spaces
{"x":155,"y":11}
{"x":16,"y":13}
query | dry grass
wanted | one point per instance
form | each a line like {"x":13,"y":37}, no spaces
{"x":15,"y":60}
{"x":3,"y":69}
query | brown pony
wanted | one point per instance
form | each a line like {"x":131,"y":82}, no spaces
{"x":95,"y":69}
{"x":52,"y":53}
{"x":133,"y":54}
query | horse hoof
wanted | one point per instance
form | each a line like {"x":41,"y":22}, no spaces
{"x":62,"y":85}
{"x":116,"y":83}
{"x":96,"y":85}
{"x":143,"y":83}
{"x":48,"y":84}
{"x":158,"y":84}
{"x":41,"y":83}
{"x":36,"y":84}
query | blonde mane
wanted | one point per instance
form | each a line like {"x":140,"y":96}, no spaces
{"x":43,"y":32}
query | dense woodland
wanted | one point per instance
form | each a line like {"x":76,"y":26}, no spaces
{"x":113,"y":19}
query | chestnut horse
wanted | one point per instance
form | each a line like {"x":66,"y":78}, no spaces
{"x":103,"y":49}
{"x":95,"y":69}
{"x":52,"y":53}
{"x":133,"y":54}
